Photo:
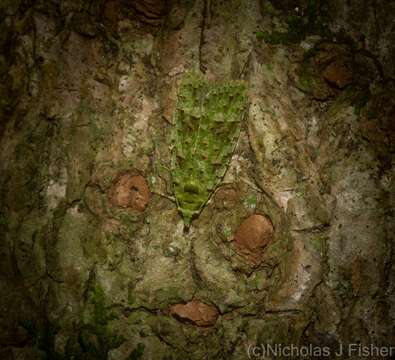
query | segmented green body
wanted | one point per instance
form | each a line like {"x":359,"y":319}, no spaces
{"x":207,"y":125}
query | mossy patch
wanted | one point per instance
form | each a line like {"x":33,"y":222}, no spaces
{"x":306,"y":78}
{"x":137,"y":353}
{"x":310,"y":20}
{"x":91,"y":338}
{"x":251,"y":201}
{"x":95,"y":337}
{"x":43,"y":335}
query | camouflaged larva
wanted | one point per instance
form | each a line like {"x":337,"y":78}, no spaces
{"x":207,"y":125}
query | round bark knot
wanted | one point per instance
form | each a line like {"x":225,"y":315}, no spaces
{"x":338,"y":73}
{"x":195,"y":312}
{"x":131,"y":191}
{"x":252,"y":237}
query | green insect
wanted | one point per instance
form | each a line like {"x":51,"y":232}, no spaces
{"x":207,"y":126}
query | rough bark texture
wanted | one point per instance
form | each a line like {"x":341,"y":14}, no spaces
{"x":94,"y":261}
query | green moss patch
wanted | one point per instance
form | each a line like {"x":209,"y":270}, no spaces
{"x":312,"y":21}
